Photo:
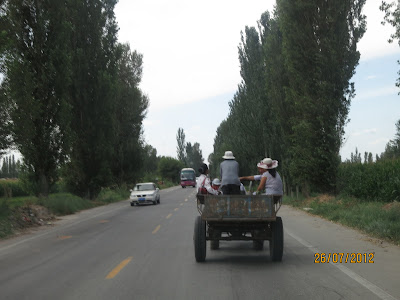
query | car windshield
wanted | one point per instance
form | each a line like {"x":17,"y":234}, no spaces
{"x":144,"y":187}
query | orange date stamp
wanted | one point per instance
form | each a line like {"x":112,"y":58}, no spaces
{"x":353,"y":258}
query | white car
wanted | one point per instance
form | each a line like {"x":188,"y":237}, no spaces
{"x":143,"y":193}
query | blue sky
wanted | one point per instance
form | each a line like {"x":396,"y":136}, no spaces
{"x":191,"y":70}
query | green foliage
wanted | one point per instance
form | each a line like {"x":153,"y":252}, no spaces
{"x":38,"y":61}
{"x":181,"y":148}
{"x":169,"y":169}
{"x":189,"y":155}
{"x":378,"y":181}
{"x":12,"y":188}
{"x":10,"y":168}
{"x":392,"y":17}
{"x":375,"y":218}
{"x":294,"y":98}
{"x":94,"y":94}
{"x":5,"y":225}
{"x":65,"y":203}
{"x":113,"y":195}
{"x":130,"y":109}
{"x":392,"y":149}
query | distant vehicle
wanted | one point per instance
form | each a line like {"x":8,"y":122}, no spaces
{"x":188,"y":177}
{"x":144,"y":193}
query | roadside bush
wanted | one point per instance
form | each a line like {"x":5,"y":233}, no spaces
{"x":65,"y":203}
{"x":109,"y":195}
{"x":5,"y":226}
{"x":378,"y":181}
{"x":12,"y":188}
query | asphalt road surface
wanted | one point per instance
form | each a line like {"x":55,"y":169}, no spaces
{"x":123,"y":252}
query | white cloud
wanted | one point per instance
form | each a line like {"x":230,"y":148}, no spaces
{"x":378,"y":93}
{"x":380,"y":141}
{"x":189,"y":48}
{"x":374,"y":43}
{"x":371,"y":77}
{"x":365,"y":131}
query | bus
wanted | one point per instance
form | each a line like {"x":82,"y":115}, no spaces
{"x":188,"y":177}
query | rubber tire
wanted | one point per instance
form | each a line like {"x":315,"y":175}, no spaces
{"x":155,"y":202}
{"x":158,"y":201}
{"x":258,"y":245}
{"x":276,"y":242}
{"x":199,"y":239}
{"x":214,"y":244}
{"x":132,"y":204}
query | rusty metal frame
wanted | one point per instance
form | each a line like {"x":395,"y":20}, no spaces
{"x":239,"y":208}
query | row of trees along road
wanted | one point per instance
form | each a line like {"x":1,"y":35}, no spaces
{"x":189,"y":155}
{"x":294,"y":97}
{"x":10,"y":167}
{"x":70,"y":95}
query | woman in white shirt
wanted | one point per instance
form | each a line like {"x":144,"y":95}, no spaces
{"x":203,"y":184}
{"x":270,"y":180}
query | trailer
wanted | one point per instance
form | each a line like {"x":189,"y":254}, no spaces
{"x":238,"y":217}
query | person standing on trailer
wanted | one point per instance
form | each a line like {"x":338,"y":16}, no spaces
{"x":229,"y":171}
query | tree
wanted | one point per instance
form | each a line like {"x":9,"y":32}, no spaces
{"x":320,"y":49}
{"x":38,"y":59}
{"x":150,"y":160}
{"x":5,"y":121}
{"x":392,"y":17}
{"x":181,"y":148}
{"x":93,"y":95}
{"x":392,"y":149}
{"x":194,"y":157}
{"x":130,"y":109}
{"x":169,"y":168}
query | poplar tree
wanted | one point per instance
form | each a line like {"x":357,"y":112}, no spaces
{"x":36,"y":67}
{"x":320,"y":49}
{"x":130,"y":110}
{"x":93,"y":96}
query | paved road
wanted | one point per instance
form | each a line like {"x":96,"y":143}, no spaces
{"x":123,"y":252}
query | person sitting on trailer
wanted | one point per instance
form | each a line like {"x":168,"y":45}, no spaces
{"x":270,"y":180}
{"x":203,"y":185}
{"x":216,"y":184}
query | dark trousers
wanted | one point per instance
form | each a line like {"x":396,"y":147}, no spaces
{"x":230,"y":189}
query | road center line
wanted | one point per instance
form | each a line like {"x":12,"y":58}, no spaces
{"x":361,"y":280}
{"x":176,"y":209}
{"x":157,"y":229}
{"x":118,"y":268}
{"x":181,"y":204}
{"x":169,"y":216}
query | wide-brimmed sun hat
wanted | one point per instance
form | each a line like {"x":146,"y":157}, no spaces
{"x":216,"y":181}
{"x":228,"y":155}
{"x":267,"y":163}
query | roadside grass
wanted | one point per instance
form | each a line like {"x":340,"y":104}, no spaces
{"x":13,"y":210}
{"x":381,"y":220}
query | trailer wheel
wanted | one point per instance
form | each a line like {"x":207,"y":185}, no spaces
{"x":199,"y":239}
{"x":258,"y":245}
{"x":276,"y":242}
